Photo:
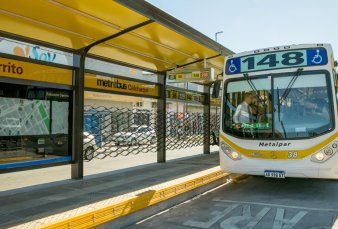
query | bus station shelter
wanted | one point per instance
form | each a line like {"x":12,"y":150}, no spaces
{"x":125,"y":32}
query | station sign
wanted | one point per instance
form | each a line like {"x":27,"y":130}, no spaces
{"x":191,"y":75}
{"x":181,"y":95}
{"x":57,"y":95}
{"x":34,"y":72}
{"x":277,"y":60}
{"x":111,"y":84}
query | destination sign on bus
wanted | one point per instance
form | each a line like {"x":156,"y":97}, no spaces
{"x":277,"y":60}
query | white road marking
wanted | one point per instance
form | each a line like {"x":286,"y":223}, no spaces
{"x":276,"y":205}
{"x":218,"y":216}
{"x":335,"y":225}
{"x":252,"y":221}
{"x":322,"y":227}
{"x":281,"y":223}
{"x":247,"y":221}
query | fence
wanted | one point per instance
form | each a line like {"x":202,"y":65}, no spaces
{"x":184,"y":130}
{"x":112,"y":132}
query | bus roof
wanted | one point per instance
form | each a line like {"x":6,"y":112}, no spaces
{"x":279,"y":58}
{"x":327,"y":46}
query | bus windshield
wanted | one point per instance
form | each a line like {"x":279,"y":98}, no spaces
{"x":268,"y":108}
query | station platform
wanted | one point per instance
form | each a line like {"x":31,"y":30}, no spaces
{"x":113,"y":199}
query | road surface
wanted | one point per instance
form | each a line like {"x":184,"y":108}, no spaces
{"x":256,"y":202}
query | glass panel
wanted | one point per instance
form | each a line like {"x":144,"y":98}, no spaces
{"x":305,"y":112}
{"x":248,"y":109}
{"x":34,"y":123}
{"x":61,"y":111}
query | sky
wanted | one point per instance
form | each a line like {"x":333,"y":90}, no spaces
{"x":252,"y":24}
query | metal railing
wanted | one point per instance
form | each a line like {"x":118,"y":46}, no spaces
{"x":184,"y":130}
{"x":113,"y":131}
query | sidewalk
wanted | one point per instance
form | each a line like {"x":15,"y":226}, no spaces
{"x":18,"y":181}
{"x":63,"y":196}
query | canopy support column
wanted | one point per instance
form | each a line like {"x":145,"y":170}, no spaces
{"x":161,"y":123}
{"x":78,"y":117}
{"x":206,"y":136}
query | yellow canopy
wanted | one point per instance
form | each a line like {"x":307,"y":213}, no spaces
{"x":74,"y":24}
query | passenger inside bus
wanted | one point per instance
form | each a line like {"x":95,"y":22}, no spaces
{"x":317,"y":106}
{"x":305,"y":113}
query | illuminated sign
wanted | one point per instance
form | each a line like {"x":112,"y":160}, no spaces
{"x":277,"y":60}
{"x":35,"y":72}
{"x":119,"y":85}
{"x":191,"y":75}
{"x":257,"y":125}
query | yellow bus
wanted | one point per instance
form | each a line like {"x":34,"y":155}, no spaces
{"x":279,"y":112}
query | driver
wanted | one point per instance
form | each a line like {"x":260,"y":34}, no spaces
{"x":244,"y":111}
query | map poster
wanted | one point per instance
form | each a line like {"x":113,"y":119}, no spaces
{"x":32,"y":117}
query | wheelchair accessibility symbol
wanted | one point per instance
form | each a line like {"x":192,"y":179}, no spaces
{"x":232,"y":67}
{"x":317,"y":59}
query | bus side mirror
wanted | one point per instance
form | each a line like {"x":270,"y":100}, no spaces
{"x":216,"y":89}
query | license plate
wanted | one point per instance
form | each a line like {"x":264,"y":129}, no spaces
{"x":274,"y":174}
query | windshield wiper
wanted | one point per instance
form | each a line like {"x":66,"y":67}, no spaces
{"x":278,"y":110}
{"x":247,"y":78}
{"x":289,"y":87}
{"x":285,"y":95}
{"x":278,"y":106}
{"x":282,"y":124}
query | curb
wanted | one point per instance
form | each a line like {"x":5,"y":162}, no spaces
{"x":141,"y":201}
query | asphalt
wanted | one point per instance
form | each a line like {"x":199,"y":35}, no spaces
{"x":19,"y":208}
{"x":258,"y":203}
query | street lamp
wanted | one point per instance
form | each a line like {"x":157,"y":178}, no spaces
{"x":219,"y":32}
{"x":216,"y":110}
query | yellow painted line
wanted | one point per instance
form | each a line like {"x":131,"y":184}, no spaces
{"x":143,"y":200}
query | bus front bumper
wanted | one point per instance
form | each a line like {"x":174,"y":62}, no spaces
{"x":292,"y":168}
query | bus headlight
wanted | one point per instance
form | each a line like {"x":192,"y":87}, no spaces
{"x":325,"y":154}
{"x":232,"y":154}
{"x":319,"y":156}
